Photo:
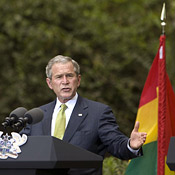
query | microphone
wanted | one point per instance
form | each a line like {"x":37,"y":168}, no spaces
{"x":32,"y":116}
{"x":14,"y":115}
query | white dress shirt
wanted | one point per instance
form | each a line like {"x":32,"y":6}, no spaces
{"x":70,"y":106}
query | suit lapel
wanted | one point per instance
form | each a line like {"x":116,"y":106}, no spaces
{"x":48,"y":111}
{"x":78,"y":115}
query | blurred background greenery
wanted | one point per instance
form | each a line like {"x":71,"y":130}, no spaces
{"x":114,"y":41}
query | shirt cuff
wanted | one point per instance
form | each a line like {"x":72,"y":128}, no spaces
{"x":134,"y":151}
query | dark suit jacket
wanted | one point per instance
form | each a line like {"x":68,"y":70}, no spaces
{"x":95,"y":129}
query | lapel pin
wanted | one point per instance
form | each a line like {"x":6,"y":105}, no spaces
{"x":80,"y":115}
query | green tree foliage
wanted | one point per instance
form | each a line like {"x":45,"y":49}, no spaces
{"x":114,"y":166}
{"x":114,"y":41}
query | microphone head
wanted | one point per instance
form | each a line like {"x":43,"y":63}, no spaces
{"x":17,"y":113}
{"x":34,"y":115}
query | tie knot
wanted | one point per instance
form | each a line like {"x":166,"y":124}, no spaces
{"x":63,"y":107}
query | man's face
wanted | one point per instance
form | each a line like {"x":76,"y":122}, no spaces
{"x":64,"y":81}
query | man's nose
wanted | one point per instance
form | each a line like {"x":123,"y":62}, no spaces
{"x":65,"y":79}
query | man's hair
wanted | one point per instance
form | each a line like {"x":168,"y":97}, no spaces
{"x":61,"y":59}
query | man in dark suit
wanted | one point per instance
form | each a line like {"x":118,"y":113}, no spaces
{"x":89,"y":124}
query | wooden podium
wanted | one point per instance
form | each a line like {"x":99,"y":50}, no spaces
{"x":46,"y":154}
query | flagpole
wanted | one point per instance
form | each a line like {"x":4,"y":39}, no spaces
{"x":163,"y":18}
{"x":162,"y":99}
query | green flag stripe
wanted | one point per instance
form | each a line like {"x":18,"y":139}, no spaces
{"x":146,"y":164}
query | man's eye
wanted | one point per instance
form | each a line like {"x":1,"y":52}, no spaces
{"x":70,"y":75}
{"x":58,"y":77}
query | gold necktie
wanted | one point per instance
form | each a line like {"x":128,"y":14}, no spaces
{"x":60,"y":122}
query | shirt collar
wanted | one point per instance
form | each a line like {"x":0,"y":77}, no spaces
{"x":70,"y":104}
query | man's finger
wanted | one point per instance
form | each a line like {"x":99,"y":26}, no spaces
{"x":136,"y":127}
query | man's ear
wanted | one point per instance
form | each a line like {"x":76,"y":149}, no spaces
{"x":49,"y":82}
{"x":79,"y":80}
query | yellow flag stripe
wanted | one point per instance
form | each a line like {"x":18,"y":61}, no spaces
{"x":148,"y":117}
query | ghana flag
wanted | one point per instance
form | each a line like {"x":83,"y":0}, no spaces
{"x":156,"y":115}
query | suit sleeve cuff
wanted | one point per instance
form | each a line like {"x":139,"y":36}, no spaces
{"x":134,"y":151}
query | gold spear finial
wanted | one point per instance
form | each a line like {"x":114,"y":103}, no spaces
{"x":163,"y":18}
